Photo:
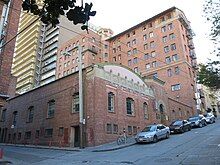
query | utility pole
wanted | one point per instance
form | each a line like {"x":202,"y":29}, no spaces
{"x":81,"y":120}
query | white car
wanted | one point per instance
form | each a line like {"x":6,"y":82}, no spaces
{"x":153,"y":133}
{"x":210,"y":118}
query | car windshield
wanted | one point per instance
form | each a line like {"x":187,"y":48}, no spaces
{"x":149,"y":128}
{"x":179,"y":122}
{"x":193,"y":118}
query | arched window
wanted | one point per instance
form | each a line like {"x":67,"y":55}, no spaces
{"x":30,"y":114}
{"x":130,"y":106}
{"x":15,"y":118}
{"x":145,"y":109}
{"x":111,"y":102}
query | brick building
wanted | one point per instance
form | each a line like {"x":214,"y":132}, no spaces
{"x":114,"y":98}
{"x":10,"y":11}
{"x":161,"y":46}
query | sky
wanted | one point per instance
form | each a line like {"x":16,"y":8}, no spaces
{"x":120,"y":15}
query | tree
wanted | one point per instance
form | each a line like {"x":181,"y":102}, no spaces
{"x":209,"y":76}
{"x":50,"y":10}
{"x":212,"y":14}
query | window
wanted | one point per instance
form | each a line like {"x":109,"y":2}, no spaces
{"x":151,"y":34}
{"x":119,"y":57}
{"x":115,"y":128}
{"x":166,"y":49}
{"x":152,"y":44}
{"x":49,"y":132}
{"x":51,"y":109}
{"x":169,"y":72}
{"x":133,"y":33}
{"x":15,"y":118}
{"x":145,"y":109}
{"x":30,"y":114}
{"x":155,"y":75}
{"x":109,"y":128}
{"x":129,"y":53}
{"x":169,"y":16}
{"x":129,"y":62}
{"x":190,"y":74}
{"x":130,"y":106}
{"x":114,"y":50}
{"x":146,"y":56}
{"x":147,"y":66}
{"x":144,"y":28}
{"x":27,"y":135}
{"x":162,"y":19}
{"x":175,"y":87}
{"x":154,"y":64}
{"x":129,"y":44}
{"x":75,"y":103}
{"x":134,"y":130}
{"x":61,"y":131}
{"x":129,"y":130}
{"x":37,"y":134}
{"x":133,"y":41}
{"x":135,"y":51}
{"x":173,"y":46}
{"x":172,"y":36}
{"x":153,"y":54}
{"x":168,"y":60}
{"x":163,"y":29}
{"x":111,"y":102}
{"x":164,"y":39}
{"x":150,"y":25}
{"x":106,"y":46}
{"x":145,"y":46}
{"x":144,"y":37}
{"x":177,"y":70}
{"x":119,"y":48}
{"x":114,"y":59}
{"x":106,"y":55}
{"x":3,"y":115}
{"x":128,"y":35}
{"x":175,"y":57}
{"x":170,"y":26}
{"x":136,"y":69}
{"x":135,"y":60}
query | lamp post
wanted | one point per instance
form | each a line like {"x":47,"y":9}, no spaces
{"x":81,"y":120}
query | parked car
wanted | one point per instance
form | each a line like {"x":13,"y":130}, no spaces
{"x":152,"y":133}
{"x":197,"y":121}
{"x":210,"y":118}
{"x":180,"y":126}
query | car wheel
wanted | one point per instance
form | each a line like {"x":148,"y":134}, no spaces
{"x":200,"y":125}
{"x":155,"y":139}
{"x":205,"y":124}
{"x":214,"y":121}
{"x":167,"y":135}
{"x":181,"y":130}
{"x":189,"y":128}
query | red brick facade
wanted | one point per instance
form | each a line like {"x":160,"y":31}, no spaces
{"x":6,"y":56}
{"x":101,"y":125}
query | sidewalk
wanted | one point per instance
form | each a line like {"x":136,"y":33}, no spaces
{"x":112,"y":146}
{"x":102,"y":148}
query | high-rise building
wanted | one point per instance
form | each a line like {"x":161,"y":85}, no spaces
{"x":161,"y":47}
{"x":34,"y":60}
{"x":9,"y":11}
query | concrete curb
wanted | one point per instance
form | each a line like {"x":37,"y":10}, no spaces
{"x":39,"y":147}
{"x":114,"y":148}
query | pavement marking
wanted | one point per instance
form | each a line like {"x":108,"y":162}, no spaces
{"x":196,"y":132}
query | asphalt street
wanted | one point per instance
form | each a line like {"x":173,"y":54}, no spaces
{"x":200,"y":146}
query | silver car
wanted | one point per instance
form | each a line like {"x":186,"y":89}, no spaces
{"x":153,"y":133}
{"x":210,"y":118}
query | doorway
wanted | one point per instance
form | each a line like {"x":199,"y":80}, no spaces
{"x":74,"y":136}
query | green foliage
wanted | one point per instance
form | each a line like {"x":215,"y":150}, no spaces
{"x":212,"y":14}
{"x":209,"y":76}
{"x":50,"y":11}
